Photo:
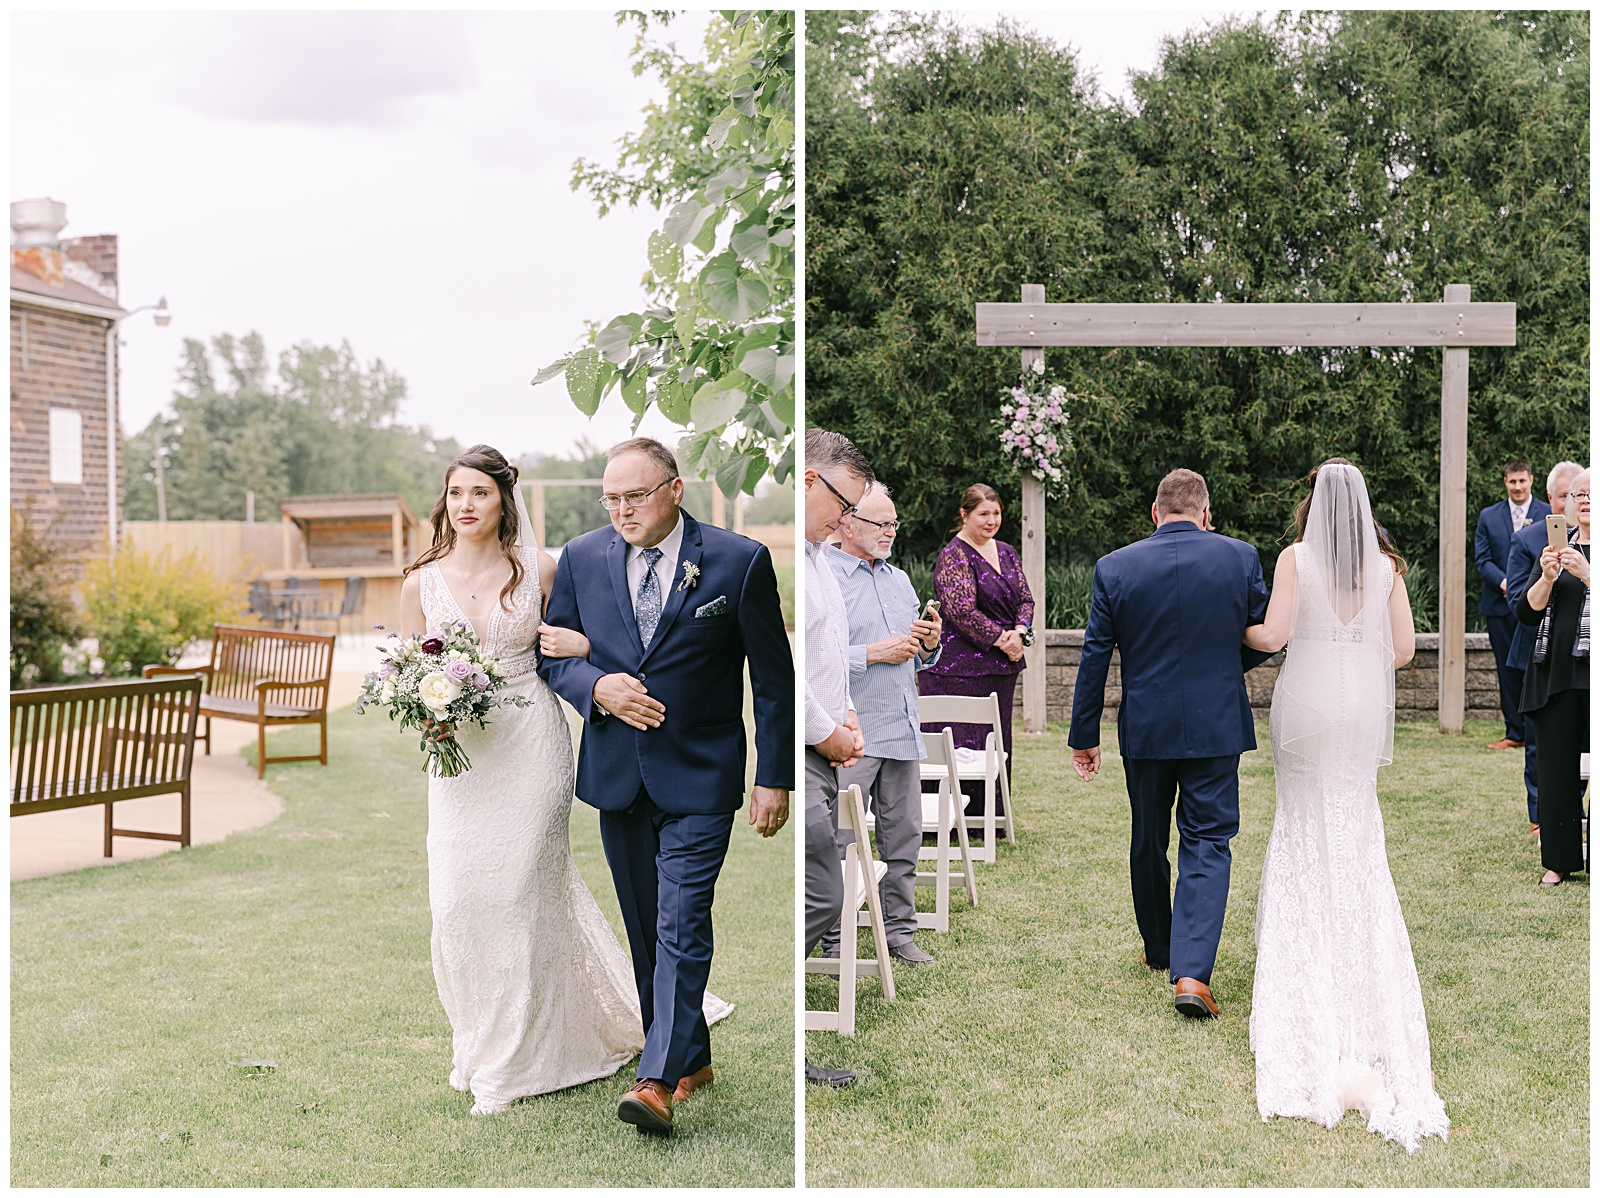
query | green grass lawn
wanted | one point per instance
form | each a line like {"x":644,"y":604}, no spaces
{"x":1040,"y":1052}
{"x":134,"y":987}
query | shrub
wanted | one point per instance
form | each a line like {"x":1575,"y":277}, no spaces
{"x":43,"y":619}
{"x":147,"y":609}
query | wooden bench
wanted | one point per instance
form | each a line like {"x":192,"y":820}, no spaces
{"x":76,"y":746}
{"x":266,"y":678}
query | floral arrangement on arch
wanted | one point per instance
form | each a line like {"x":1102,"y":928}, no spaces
{"x":1033,"y":428}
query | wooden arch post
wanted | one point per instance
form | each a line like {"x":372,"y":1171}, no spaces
{"x":1456,"y":325}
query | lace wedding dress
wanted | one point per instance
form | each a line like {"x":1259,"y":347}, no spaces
{"x":539,"y":994}
{"x":1337,"y":1020}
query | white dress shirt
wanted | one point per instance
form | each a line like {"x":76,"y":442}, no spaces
{"x":1519,"y":515}
{"x":827,"y":648}
{"x":666,"y":566}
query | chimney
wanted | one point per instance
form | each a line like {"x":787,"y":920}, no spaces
{"x":37,"y":222}
{"x":97,"y":254}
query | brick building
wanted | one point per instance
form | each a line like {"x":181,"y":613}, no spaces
{"x":64,"y":315}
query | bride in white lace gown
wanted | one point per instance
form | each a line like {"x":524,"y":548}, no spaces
{"x":1337,"y":1020}
{"x":539,"y":994}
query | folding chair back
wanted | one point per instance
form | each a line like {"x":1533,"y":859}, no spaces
{"x":990,"y":769}
{"x":861,"y":877}
{"x":941,"y":814}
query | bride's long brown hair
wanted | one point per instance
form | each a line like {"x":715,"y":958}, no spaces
{"x":1302,"y":512}
{"x":492,"y":462}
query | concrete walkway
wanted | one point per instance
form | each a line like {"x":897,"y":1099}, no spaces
{"x":225,"y":797}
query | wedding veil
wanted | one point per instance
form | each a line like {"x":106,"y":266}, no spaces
{"x":524,"y":522}
{"x":1334,"y":705}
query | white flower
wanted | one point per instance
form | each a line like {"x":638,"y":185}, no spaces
{"x":386,"y":695}
{"x":1038,"y":366}
{"x":1058,"y":392}
{"x":437,"y":692}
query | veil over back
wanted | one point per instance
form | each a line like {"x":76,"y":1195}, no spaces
{"x":1335,"y":702}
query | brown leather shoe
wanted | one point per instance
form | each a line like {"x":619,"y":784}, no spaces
{"x":1505,"y":742}
{"x":1533,"y":830}
{"x":1152,"y":968}
{"x":688,"y":1085}
{"x":648,"y":1106}
{"x":1194,"y":1000}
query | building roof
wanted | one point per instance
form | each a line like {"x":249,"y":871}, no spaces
{"x":65,"y":289}
{"x":300,"y":508}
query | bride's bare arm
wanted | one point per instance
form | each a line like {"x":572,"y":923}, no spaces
{"x":553,"y":641}
{"x":547,"y":579}
{"x":1401,"y":627}
{"x":1272,"y":633}
{"x":412,"y":621}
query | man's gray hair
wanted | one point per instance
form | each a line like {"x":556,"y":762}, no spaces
{"x":1582,"y":478}
{"x":1559,"y":471}
{"x":875,"y":487}
{"x":1182,"y":491}
{"x":651,"y":448}
{"x":826,"y":449}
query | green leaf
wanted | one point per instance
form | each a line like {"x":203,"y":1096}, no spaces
{"x":725,"y":182}
{"x":751,"y":245}
{"x":730,"y":293}
{"x":716,"y":403}
{"x":633,"y":391}
{"x":683,"y":322}
{"x":684,"y":222}
{"x":721,"y":126}
{"x":707,"y":238}
{"x":583,"y":380}
{"x":768,"y":366}
{"x":673,"y":396}
{"x":559,"y":366}
{"x":783,"y":405}
{"x":615,"y":342}
{"x":666,"y":259}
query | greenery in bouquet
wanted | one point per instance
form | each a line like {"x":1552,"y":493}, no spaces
{"x":1033,"y":428}
{"x":435,"y":683}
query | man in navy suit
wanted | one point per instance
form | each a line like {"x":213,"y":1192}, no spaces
{"x":1520,"y":565}
{"x":1176,"y":604}
{"x":1497,"y":524}
{"x":673,"y":609}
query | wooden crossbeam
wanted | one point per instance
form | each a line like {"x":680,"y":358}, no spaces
{"x":1457,"y":325}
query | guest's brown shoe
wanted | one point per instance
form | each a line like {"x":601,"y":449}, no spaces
{"x":648,"y":1106}
{"x":1505,"y":742}
{"x":1194,"y":1000}
{"x":688,"y":1085}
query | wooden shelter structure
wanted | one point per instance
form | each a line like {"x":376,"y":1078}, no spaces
{"x":1456,"y":325}
{"x":346,"y":537}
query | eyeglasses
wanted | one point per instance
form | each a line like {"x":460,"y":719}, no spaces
{"x":849,"y":508}
{"x":886,"y":525}
{"x":631,"y":498}
{"x":1578,"y":495}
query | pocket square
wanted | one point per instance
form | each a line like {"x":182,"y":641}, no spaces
{"x":716,"y":607}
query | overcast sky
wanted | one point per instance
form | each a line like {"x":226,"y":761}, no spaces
{"x":397,"y":180}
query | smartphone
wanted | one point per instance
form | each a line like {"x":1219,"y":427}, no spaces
{"x":1555,"y":527}
{"x":932,"y":609}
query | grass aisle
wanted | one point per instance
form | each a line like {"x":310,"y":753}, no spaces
{"x":1040,"y":1052}
{"x":133,"y":987}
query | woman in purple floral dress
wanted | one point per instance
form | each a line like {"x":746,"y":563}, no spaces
{"x":985,"y":604}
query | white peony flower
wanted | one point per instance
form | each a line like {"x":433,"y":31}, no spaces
{"x":437,"y":692}
{"x":386,"y":696}
{"x":1038,"y":366}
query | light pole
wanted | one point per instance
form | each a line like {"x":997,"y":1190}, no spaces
{"x":163,"y":317}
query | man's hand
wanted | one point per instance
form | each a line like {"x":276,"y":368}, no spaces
{"x":893,"y":650}
{"x":1503,"y":587}
{"x":927,"y":632}
{"x":1086,"y":762}
{"x":839,"y":747}
{"x":769,"y":809}
{"x":854,"y":724}
{"x":625,"y":697}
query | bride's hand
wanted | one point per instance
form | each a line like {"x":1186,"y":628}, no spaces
{"x":562,"y":642}
{"x":437,"y":731}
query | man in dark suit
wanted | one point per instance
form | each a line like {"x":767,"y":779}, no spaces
{"x":673,"y":609}
{"x":1497,"y":524}
{"x":1176,"y":604}
{"x":1520,"y":568}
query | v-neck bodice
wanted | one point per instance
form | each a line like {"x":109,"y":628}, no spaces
{"x":510,"y":637}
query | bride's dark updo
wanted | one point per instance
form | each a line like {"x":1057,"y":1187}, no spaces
{"x":1302,"y":513}
{"x":490,"y":461}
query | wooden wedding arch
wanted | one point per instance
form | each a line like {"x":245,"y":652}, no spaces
{"x":1456,"y":325}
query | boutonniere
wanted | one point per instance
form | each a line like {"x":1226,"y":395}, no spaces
{"x":691,"y":576}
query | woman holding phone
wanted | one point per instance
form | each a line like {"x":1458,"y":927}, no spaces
{"x":987,"y":610}
{"x":1555,"y":688}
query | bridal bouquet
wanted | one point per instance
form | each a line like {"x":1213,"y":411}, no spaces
{"x":1033,"y":429}
{"x":437,"y":678}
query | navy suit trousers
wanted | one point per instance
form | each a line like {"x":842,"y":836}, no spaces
{"x":1501,"y":630}
{"x":1182,"y":932}
{"x":669,"y":925}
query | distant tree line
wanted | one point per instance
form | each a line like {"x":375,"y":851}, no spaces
{"x":1360,"y":156}
{"x":321,"y":423}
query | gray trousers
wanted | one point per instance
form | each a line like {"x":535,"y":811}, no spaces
{"x":824,"y":879}
{"x":893,"y":791}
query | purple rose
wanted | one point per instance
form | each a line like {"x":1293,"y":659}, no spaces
{"x":459,"y":671}
{"x":434,"y":645}
{"x":480,"y":680}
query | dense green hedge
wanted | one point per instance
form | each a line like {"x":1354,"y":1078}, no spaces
{"x":1355,"y":157}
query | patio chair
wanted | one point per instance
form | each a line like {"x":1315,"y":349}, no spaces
{"x":862,"y":873}
{"x":989,"y":768}
{"x":941,"y":814}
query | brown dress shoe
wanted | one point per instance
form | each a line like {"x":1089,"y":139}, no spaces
{"x":648,"y":1106}
{"x":1505,"y":742}
{"x":1194,"y":1000}
{"x":688,"y":1085}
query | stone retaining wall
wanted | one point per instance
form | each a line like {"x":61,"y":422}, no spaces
{"x":1416,"y":687}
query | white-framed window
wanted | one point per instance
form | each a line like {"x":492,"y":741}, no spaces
{"x":66,"y":446}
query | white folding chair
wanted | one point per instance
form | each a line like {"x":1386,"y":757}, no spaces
{"x":941,"y":814}
{"x":1583,"y":772}
{"x":862,"y":874}
{"x":990,"y":769}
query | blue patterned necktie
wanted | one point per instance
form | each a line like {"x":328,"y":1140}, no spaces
{"x":648,"y":610}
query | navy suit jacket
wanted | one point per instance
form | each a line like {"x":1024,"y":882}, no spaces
{"x":694,"y":763}
{"x":1492,"y":551}
{"x":1176,"y":604}
{"x":1521,"y":569}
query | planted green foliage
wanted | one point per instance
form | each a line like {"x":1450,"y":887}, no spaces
{"x":714,"y":351}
